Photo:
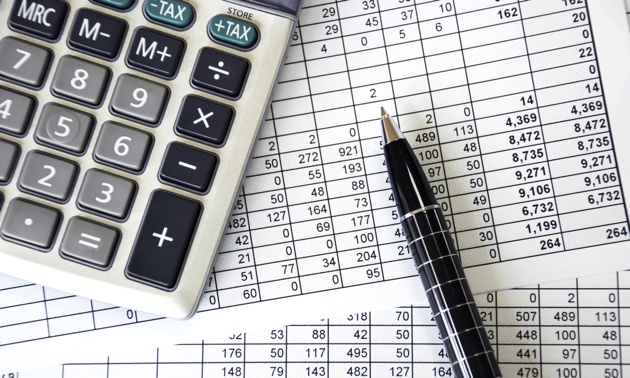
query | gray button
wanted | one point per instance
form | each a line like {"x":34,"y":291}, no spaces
{"x":31,"y":224}
{"x":89,"y":243}
{"x":80,"y":80}
{"x":64,"y":128}
{"x":106,"y":193}
{"x":9,"y":153}
{"x":47,"y":176}
{"x":23,"y":62}
{"x":139,"y":99}
{"x":123,"y":147}
{"x":16,"y":111}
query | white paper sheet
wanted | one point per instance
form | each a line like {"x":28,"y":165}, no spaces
{"x":315,"y":233}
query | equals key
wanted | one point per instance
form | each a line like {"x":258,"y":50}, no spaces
{"x":188,"y":168}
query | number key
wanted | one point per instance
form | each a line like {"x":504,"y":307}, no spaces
{"x":122,"y":147}
{"x":9,"y":153}
{"x":16,"y":111}
{"x":106,"y":194}
{"x":23,"y":62}
{"x":48,"y":176}
{"x":80,"y":81}
{"x":139,"y":99}
{"x":64,"y":128}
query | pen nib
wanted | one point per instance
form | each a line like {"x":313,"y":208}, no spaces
{"x":391,"y":132}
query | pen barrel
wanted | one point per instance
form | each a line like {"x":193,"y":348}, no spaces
{"x":450,"y":298}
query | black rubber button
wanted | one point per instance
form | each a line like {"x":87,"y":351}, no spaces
{"x":162,"y":244}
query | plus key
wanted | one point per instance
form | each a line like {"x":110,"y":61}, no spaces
{"x":165,"y":236}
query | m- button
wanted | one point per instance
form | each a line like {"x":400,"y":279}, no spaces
{"x":40,"y":18}
{"x":97,"y":33}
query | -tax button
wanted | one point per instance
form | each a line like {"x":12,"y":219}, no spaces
{"x":233,"y":31}
{"x":174,"y":13}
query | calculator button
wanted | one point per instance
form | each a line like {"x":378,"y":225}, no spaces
{"x":64,"y":128}
{"x":203,"y":119}
{"x":48,"y":176}
{"x":156,"y":53}
{"x":123,"y":147}
{"x":106,"y":194}
{"x":118,"y":4}
{"x":16,"y":111}
{"x":23,"y":62}
{"x":163,"y":241}
{"x":139,"y":99}
{"x":41,"y":18}
{"x":97,"y":33}
{"x":233,"y":31}
{"x":188,"y":167}
{"x":173,"y":13}
{"x":219,"y":72}
{"x":90,"y":243}
{"x":80,"y":80}
{"x":9,"y":154}
{"x":31,"y":224}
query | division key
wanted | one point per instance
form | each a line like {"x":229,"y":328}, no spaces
{"x":164,"y":239}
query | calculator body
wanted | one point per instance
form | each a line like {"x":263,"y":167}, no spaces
{"x":120,"y":166}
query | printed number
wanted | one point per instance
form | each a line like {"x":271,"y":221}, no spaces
{"x":80,"y":76}
{"x":23,"y":59}
{"x":44,"y":180}
{"x":107,"y":193}
{"x":120,"y":148}
{"x":62,"y":123}
{"x":5,"y":108}
{"x":140,"y":95}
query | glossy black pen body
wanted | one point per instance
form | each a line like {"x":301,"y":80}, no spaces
{"x":436,"y":260}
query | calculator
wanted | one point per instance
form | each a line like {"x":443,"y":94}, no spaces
{"x":125,"y":130}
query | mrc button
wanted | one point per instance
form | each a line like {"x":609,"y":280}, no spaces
{"x":41,"y":18}
{"x":233,"y":31}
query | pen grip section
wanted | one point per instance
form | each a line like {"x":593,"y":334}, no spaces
{"x":449,"y":294}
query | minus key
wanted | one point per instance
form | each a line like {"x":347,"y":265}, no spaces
{"x":188,"y":168}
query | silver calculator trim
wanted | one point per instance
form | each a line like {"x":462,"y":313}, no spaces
{"x":112,"y":286}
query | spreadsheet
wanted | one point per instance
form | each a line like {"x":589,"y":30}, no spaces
{"x":576,"y":328}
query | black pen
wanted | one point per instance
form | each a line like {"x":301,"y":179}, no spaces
{"x":437,"y":260}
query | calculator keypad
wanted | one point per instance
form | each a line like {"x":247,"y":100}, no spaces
{"x":122,"y":147}
{"x":48,"y":176}
{"x":28,"y":223}
{"x":16,"y":111}
{"x":64,"y":129}
{"x":96,"y":33}
{"x":139,"y":99}
{"x":106,"y":194}
{"x":23,"y":62}
{"x":80,"y":80}
{"x":116,"y":117}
